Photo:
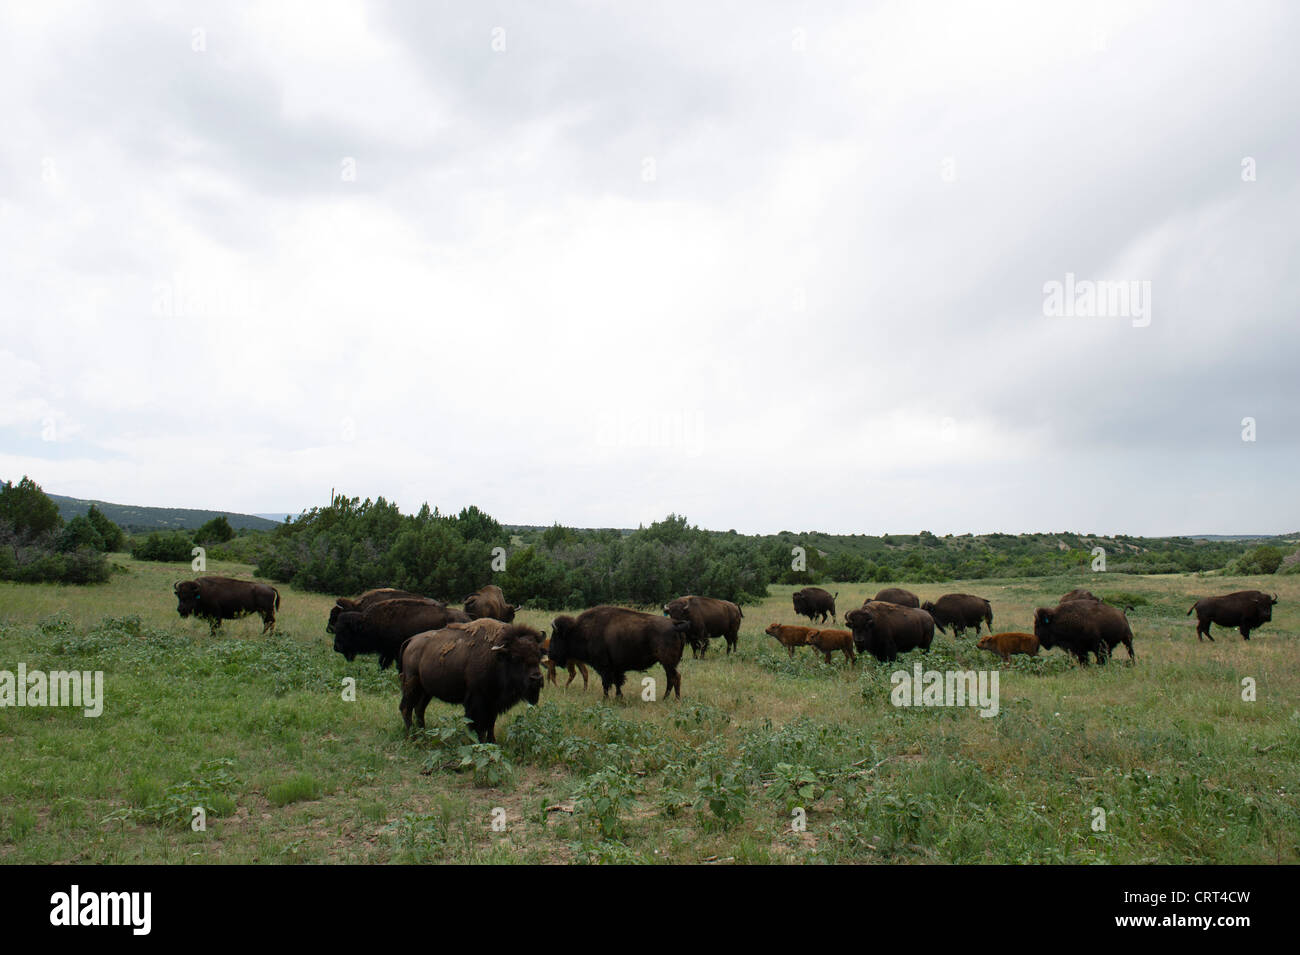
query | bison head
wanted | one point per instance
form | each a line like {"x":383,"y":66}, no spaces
{"x":1043,"y":618}
{"x":518,"y":652}
{"x":862,"y":622}
{"x":986,"y":642}
{"x":188,"y":597}
{"x":561,"y":642}
{"x":348,"y":636}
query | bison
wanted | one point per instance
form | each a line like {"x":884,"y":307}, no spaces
{"x":1080,"y":627}
{"x":223,"y":598}
{"x":708,"y":617}
{"x":368,"y":600}
{"x":573,"y":668}
{"x":386,"y":625}
{"x":790,"y":636}
{"x":1246,"y":610}
{"x":885,"y":629}
{"x":489,"y":601}
{"x":613,"y":640}
{"x":897,"y":595}
{"x":1078,"y":593}
{"x":813,"y":602}
{"x":1005,"y":644}
{"x":959,"y":611}
{"x":486,"y":673}
{"x":827,"y":642}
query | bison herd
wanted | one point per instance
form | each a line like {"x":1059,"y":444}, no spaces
{"x":479,"y":658}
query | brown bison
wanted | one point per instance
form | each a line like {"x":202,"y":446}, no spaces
{"x":708,"y":617}
{"x":827,"y":642}
{"x":790,"y":635}
{"x":384,"y":627}
{"x":487,"y":674}
{"x":368,"y":600}
{"x":897,"y":595}
{"x":1005,"y":644}
{"x":1080,"y":627}
{"x":1078,"y":593}
{"x":1246,"y":610}
{"x":489,"y":601}
{"x":573,"y":668}
{"x":215,"y":599}
{"x":959,"y":611}
{"x":613,"y":640}
{"x":813,"y":602}
{"x":885,"y":630}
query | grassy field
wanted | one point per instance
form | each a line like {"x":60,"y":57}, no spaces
{"x":256,"y":730}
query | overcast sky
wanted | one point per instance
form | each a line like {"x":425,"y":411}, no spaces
{"x":770,"y":265}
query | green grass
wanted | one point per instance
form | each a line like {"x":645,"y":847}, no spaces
{"x":255,"y":730}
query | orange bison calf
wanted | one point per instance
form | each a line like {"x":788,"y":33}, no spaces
{"x":790,"y":636}
{"x":1005,"y":644}
{"x":827,"y":642}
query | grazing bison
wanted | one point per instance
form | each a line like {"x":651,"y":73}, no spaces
{"x":897,"y":595}
{"x":489,"y":601}
{"x":959,"y":611}
{"x":223,"y":598}
{"x":827,"y":642}
{"x":885,"y":630}
{"x":613,"y":640}
{"x":708,"y":617}
{"x":1080,"y":627}
{"x":386,"y":626}
{"x":1078,"y":593}
{"x":368,"y":600}
{"x":488,"y":675}
{"x":1005,"y":644}
{"x":813,"y":602}
{"x":573,"y":668}
{"x":1246,"y":610}
{"x":790,"y":636}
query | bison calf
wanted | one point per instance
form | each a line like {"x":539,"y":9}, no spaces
{"x":827,"y":642}
{"x":1005,"y":644}
{"x":460,"y":665}
{"x":790,"y":636}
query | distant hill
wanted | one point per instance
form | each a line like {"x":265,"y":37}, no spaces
{"x":139,"y":520}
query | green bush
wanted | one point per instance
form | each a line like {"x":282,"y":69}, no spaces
{"x":172,"y":546}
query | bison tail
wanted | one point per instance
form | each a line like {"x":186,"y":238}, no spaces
{"x":277,"y":598}
{"x":1189,"y":612}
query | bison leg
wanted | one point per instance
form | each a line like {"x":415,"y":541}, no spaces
{"x":848,"y":655}
{"x":674,"y":682}
{"x":268,"y":621}
{"x":1245,"y":632}
{"x":583,"y":668}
